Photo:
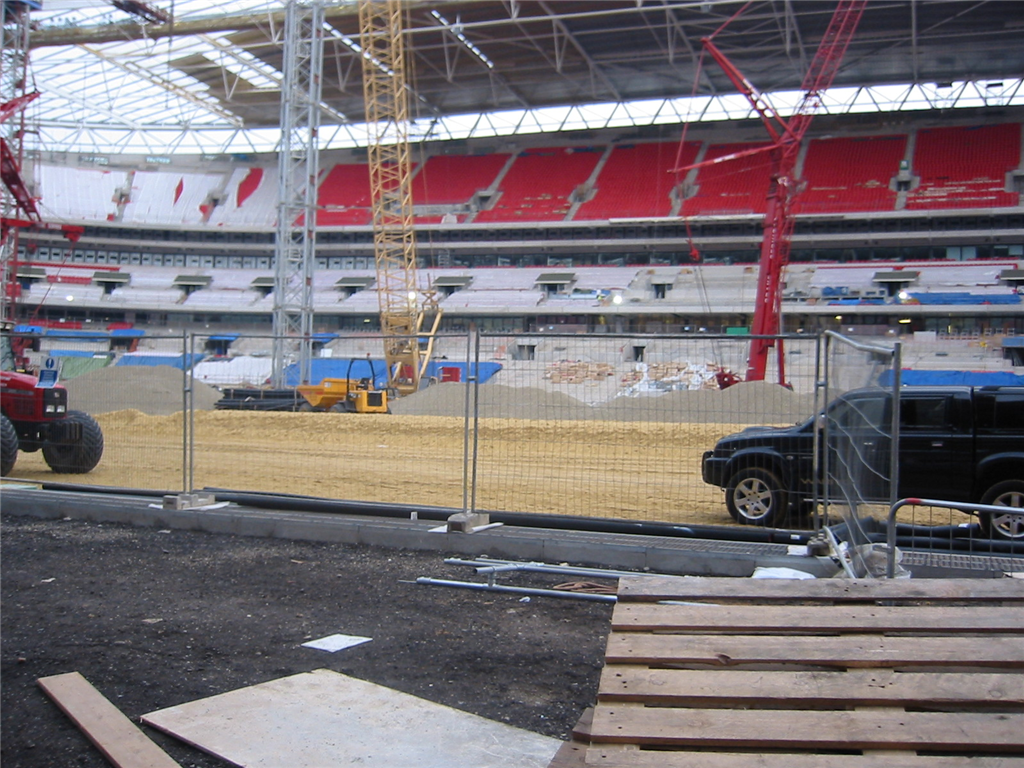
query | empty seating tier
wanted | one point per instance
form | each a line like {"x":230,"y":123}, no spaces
{"x":538,"y":185}
{"x":731,"y":186}
{"x":455,"y":179}
{"x":851,"y":174}
{"x":637,"y":180}
{"x":965,"y":167}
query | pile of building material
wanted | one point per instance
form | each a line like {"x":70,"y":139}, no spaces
{"x":668,"y":377}
{"x":577,"y":372}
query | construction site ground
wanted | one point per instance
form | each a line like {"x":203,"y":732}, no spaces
{"x":155,"y":617}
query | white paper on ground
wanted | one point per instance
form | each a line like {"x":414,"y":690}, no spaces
{"x":334,"y":643}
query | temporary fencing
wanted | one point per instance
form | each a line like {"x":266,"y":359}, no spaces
{"x":595,"y":425}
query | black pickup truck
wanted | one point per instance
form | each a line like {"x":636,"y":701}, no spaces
{"x":963,"y":444}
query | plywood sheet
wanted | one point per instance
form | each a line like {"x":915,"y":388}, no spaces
{"x":325,"y":718}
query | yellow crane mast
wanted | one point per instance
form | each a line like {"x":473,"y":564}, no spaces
{"x":402,"y":314}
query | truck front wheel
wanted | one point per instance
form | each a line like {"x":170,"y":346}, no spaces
{"x":756,"y":497}
{"x":79,"y":457}
{"x":8,"y":446}
{"x":1009,"y":493}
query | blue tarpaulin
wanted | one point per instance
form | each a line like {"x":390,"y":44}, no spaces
{"x":79,"y":335}
{"x":966,"y":298}
{"x":229,"y":337}
{"x":175,"y":361}
{"x":131,"y":333}
{"x":28,"y":329}
{"x":952,"y":378}
{"x":484,"y":370}
{"x":362,"y":367}
{"x":331,"y":368}
{"x":74,"y":353}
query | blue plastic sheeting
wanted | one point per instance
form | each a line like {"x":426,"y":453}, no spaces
{"x":1016,"y":341}
{"x":71,"y":353}
{"x":954,"y":378}
{"x":80,"y":335}
{"x":175,"y":361}
{"x":324,"y":337}
{"x":229,"y":337}
{"x":856,"y":302}
{"x":131,"y":333}
{"x":28,"y":329}
{"x":966,"y":298}
{"x":484,"y":370}
{"x":335,"y":368}
{"x":362,"y":367}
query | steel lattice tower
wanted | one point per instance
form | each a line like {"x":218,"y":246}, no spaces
{"x":14,"y":21}
{"x":299,"y":167}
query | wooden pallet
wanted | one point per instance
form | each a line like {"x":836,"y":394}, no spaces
{"x":710,"y":672}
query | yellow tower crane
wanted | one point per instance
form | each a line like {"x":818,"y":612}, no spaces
{"x":405,"y":309}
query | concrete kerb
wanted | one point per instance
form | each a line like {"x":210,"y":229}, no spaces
{"x":620,"y":551}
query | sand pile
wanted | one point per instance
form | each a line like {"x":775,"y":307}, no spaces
{"x":154,"y":390}
{"x":745,"y":403}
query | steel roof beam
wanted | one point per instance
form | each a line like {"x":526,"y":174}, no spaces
{"x":178,"y":91}
{"x":558,"y":24}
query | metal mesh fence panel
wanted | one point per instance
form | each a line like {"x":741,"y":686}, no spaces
{"x":616,"y":426}
{"x":133,"y":393}
{"x":857,"y":433}
{"x":341,"y":435}
{"x":887,"y":442}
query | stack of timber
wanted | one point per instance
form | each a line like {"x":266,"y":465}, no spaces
{"x":709,"y":673}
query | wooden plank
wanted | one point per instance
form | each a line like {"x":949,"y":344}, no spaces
{"x":117,"y":737}
{"x":841,"y":651}
{"x":969,"y":732}
{"x":573,"y":753}
{"x":806,"y":689}
{"x":601,"y":757}
{"x":654,"y":588}
{"x":809,"y":619}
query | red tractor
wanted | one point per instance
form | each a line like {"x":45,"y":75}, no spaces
{"x":34,"y":417}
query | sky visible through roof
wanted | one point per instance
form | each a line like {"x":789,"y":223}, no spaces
{"x":126,"y":97}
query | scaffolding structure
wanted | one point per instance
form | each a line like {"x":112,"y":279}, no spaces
{"x":14,"y":20}
{"x":385,"y":92}
{"x":299,"y":168}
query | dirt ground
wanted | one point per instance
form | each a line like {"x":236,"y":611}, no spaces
{"x":632,"y":470}
{"x":158,"y":618}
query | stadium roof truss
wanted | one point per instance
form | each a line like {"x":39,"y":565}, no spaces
{"x":210,"y":84}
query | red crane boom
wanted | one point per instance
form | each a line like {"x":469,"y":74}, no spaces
{"x":786,"y":137}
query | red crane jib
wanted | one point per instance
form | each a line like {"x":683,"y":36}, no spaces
{"x":786,"y":136}
{"x":10,"y":174}
{"x":15,"y":105}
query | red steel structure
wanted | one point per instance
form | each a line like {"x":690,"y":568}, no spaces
{"x":786,"y":136}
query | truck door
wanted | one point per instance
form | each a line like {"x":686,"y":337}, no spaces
{"x":935,"y":447}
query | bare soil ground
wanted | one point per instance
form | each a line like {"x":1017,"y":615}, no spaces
{"x":157,"y":618}
{"x":619,"y":469}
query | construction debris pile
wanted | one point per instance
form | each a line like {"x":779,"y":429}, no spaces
{"x":577,"y":372}
{"x":669,"y":377}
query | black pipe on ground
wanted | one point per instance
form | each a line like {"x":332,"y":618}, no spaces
{"x":300,"y":503}
{"x":297,"y":503}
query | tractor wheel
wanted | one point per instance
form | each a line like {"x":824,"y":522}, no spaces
{"x":76,"y":458}
{"x":8,"y":446}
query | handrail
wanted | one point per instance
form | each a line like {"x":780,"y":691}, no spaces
{"x":861,"y":346}
{"x":890,"y":533}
